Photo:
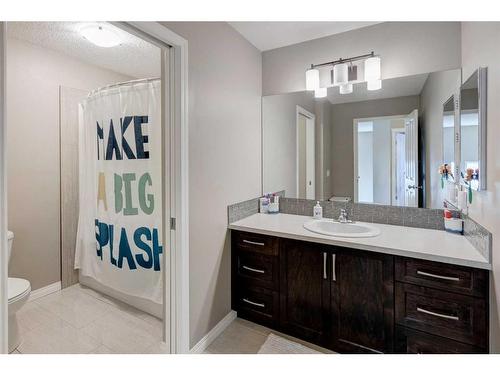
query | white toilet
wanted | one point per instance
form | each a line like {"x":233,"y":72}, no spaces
{"x":18,"y":292}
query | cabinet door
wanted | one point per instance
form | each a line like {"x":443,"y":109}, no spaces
{"x":304,"y":290}
{"x":362,"y":300}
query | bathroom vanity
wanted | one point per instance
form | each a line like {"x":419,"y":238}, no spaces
{"x":407,"y":290}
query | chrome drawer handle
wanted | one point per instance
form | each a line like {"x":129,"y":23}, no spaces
{"x":254,"y":243}
{"x":451,"y":278}
{"x":334,"y":274}
{"x":451,"y":317}
{"x":253,"y":303}
{"x":253,"y":269}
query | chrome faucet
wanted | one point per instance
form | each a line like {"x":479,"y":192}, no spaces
{"x":343,"y":216}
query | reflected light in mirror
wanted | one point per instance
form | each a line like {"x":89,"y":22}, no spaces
{"x":374,"y":85}
{"x":320,"y":92}
{"x":345,"y":89}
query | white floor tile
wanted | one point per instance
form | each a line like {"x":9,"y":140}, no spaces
{"x":58,"y":337}
{"x":102,"y":350}
{"x":123,"y":333}
{"x":80,"y":320}
{"x":74,"y":307}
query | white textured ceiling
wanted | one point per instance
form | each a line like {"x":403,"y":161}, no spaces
{"x":133,"y":57}
{"x":270,"y":35}
{"x":391,"y":88}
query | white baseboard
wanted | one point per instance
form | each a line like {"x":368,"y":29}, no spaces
{"x":213,"y":334}
{"x":46,"y":290}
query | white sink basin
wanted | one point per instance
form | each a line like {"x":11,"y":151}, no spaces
{"x":329,"y":227}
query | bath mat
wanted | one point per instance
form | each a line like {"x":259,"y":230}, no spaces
{"x":279,"y":345}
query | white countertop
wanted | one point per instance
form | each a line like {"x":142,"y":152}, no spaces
{"x":430,"y":244}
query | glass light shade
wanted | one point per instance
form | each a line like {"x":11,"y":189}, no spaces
{"x":345,"y":89}
{"x":320,"y":92}
{"x":101,"y":35}
{"x":340,"y":74}
{"x":312,"y":79}
{"x":374,"y":85}
{"x":372,"y":69}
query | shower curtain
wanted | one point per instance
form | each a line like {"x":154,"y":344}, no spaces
{"x":119,"y":240}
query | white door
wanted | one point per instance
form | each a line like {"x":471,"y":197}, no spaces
{"x":411,"y":156}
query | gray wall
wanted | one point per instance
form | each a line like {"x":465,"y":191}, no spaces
{"x":279,"y":140}
{"x":34,"y":75}
{"x":407,"y":48}
{"x":342,"y":116}
{"x":437,"y":90}
{"x":480,"y":48}
{"x":225,"y":75}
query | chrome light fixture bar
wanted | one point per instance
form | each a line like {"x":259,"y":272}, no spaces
{"x":343,"y":61}
{"x":341,"y":72}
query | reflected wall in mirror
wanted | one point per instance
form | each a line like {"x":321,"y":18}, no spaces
{"x":449,"y":137}
{"x":473,"y":130}
{"x":381,"y":147}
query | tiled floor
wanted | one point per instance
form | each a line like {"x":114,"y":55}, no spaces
{"x":244,"y":337}
{"x":81,"y":320}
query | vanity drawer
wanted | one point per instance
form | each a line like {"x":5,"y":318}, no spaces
{"x":257,"y":269}
{"x":452,"y":278}
{"x":255,"y":242}
{"x":259,"y":305}
{"x":415,"y":342}
{"x":451,"y":315}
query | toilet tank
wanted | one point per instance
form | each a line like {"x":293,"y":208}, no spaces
{"x":10,"y":238}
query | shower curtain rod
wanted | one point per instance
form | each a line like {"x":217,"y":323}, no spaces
{"x":113,"y":85}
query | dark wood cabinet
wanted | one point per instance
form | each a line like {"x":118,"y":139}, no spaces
{"x":411,"y":341}
{"x":304,"y":290}
{"x":354,"y":301}
{"x":362,"y":300}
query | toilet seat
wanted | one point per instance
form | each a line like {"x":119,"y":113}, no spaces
{"x":18,"y":289}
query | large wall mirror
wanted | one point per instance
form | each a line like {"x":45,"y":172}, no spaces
{"x":380,"y":147}
{"x":473,"y":130}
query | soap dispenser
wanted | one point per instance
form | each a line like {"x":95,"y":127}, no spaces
{"x":318,"y":211}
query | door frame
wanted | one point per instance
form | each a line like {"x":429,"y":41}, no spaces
{"x":4,"y":298}
{"x":393,"y":160}
{"x":311,"y":117}
{"x":177,"y":159}
{"x":355,"y":146}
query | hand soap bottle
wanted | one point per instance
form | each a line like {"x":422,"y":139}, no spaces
{"x":318,"y":211}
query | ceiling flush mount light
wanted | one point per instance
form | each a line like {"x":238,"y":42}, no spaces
{"x":344,"y":73}
{"x":374,"y":85}
{"x":101,"y":35}
{"x":312,"y":79}
{"x":320,"y":92}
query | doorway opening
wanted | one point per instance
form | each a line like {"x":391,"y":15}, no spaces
{"x":386,"y":160}
{"x":127,"y":101}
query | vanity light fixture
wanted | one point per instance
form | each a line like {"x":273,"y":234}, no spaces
{"x":320,"y":92}
{"x":101,"y":34}
{"x":340,"y":74}
{"x":312,"y":79}
{"x":372,"y":69}
{"x":343,"y":74}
